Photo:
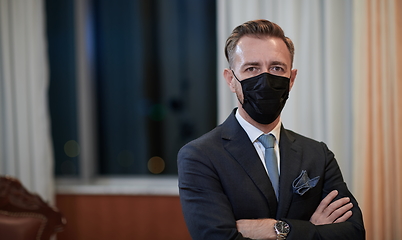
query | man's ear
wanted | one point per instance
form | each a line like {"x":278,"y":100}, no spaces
{"x":228,"y":75}
{"x":292,"y":78}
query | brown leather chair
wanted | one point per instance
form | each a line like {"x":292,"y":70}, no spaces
{"x":24,"y":215}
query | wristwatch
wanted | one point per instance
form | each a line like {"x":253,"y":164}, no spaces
{"x":282,"y":230}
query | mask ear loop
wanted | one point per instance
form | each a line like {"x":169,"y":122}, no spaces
{"x":238,"y":99}
{"x":235,"y":75}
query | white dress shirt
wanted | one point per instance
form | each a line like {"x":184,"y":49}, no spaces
{"x":253,"y":133}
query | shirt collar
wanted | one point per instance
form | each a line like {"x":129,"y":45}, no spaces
{"x":253,"y":132}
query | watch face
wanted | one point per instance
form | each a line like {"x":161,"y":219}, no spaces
{"x":282,"y":227}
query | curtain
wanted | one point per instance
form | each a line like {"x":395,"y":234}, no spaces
{"x":25,"y":144}
{"x":320,"y":103}
{"x":378,"y":115}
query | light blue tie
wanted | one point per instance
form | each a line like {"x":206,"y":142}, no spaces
{"x":270,"y":160}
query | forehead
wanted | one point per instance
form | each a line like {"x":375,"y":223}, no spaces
{"x":263,"y":50}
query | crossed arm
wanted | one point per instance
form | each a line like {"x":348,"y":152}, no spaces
{"x":326,"y":213}
{"x":211,"y":202}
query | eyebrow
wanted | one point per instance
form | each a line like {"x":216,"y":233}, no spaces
{"x":247,"y":64}
{"x":279,"y":63}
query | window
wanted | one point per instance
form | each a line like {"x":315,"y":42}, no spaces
{"x":131,"y":81}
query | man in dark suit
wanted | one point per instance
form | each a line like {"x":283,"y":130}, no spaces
{"x":234,"y":185}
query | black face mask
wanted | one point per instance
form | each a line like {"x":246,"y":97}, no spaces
{"x":265,"y":96}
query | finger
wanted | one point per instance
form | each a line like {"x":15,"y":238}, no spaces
{"x":340,"y":212}
{"x":336,"y":205}
{"x":327,"y":200}
{"x":345,"y":217}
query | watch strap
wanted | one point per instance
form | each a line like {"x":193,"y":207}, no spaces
{"x":281,"y":236}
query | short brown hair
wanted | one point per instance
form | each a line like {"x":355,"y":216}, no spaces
{"x":257,"y":28}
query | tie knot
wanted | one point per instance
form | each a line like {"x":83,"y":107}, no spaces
{"x":267,"y":140}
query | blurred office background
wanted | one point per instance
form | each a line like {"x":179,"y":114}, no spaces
{"x":97,"y":97}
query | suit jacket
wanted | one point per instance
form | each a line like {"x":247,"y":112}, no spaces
{"x":222,"y":179}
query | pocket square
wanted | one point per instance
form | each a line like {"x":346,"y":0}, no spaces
{"x":303,"y":183}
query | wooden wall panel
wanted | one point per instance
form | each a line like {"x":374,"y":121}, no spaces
{"x":120,"y":217}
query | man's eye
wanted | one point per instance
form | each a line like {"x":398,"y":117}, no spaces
{"x":277,"y":69}
{"x":251,"y":69}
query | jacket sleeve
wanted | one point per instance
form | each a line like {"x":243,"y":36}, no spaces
{"x":352,"y":229}
{"x":206,"y":209}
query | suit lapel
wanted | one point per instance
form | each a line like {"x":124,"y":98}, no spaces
{"x":290,"y":154}
{"x":237,"y":143}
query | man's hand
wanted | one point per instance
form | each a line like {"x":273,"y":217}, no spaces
{"x":257,"y":228}
{"x":336,"y":212}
